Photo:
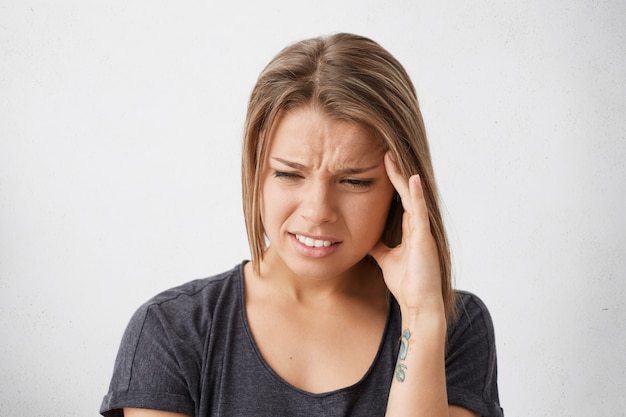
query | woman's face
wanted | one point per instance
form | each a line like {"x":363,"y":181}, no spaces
{"x":325,"y":193}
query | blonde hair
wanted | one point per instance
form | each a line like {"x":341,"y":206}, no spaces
{"x":350,"y":78}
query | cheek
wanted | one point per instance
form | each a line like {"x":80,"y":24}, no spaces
{"x":274,"y":206}
{"x":372,"y":217}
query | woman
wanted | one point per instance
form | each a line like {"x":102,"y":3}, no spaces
{"x":346,"y":308}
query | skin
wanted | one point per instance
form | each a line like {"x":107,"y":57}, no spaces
{"x":411,"y":272}
{"x":326,"y":304}
{"x":326,"y":180}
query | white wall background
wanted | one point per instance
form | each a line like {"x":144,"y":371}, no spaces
{"x":120,"y":129}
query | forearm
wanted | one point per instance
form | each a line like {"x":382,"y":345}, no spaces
{"x":419,"y":384}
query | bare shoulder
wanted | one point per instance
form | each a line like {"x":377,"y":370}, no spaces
{"x":144,"y":412}
{"x":456,"y":411}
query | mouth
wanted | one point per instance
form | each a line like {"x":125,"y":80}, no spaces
{"x":313,"y":243}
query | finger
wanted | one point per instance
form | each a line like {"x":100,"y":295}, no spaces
{"x":396,"y":177}
{"x":419,"y":209}
{"x":412,"y":194}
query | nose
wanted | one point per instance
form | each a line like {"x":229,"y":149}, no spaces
{"x":318,"y":204}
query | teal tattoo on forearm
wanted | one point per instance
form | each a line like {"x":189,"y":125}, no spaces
{"x":404,"y":350}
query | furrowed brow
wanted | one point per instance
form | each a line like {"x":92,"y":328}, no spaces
{"x":345,"y":171}
{"x":355,"y":171}
{"x":290,"y":164}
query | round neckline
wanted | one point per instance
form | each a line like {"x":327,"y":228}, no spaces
{"x":274,"y":374}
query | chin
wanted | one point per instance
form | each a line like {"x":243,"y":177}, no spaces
{"x":320,"y":269}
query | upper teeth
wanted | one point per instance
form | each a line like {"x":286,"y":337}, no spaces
{"x":313,"y":243}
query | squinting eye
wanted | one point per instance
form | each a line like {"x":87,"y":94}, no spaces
{"x":286,"y":175}
{"x":358,"y":183}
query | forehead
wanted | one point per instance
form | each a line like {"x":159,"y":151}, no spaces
{"x":308,"y":133}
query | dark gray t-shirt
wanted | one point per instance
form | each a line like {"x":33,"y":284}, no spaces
{"x":189,"y":350}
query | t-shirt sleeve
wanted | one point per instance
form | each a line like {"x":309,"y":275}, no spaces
{"x":154,"y":367}
{"x":471,"y":365}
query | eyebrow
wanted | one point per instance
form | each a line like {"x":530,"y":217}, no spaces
{"x":348,"y":171}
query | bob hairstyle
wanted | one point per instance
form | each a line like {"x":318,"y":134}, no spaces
{"x":350,"y":78}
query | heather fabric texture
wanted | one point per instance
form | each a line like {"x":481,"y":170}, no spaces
{"x":189,"y":350}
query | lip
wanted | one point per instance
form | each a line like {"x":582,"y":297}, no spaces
{"x":324,"y":245}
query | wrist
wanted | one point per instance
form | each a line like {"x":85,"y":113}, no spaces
{"x":423,"y":307}
{"x":430,"y":319}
